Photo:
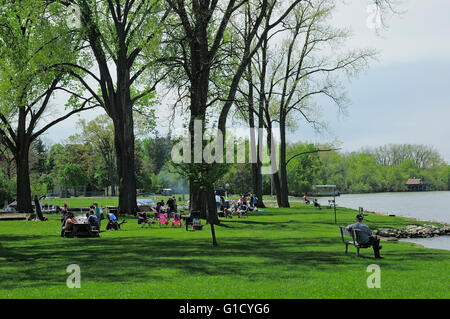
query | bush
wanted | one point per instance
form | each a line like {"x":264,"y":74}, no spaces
{"x":7,"y":189}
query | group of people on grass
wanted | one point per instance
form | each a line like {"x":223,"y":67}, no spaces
{"x":94,"y":218}
{"x":162,"y":212}
{"x":239,"y":207}
{"x":169,"y":207}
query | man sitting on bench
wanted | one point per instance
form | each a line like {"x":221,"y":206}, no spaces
{"x":365,"y":235}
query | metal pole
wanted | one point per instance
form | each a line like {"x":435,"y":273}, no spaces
{"x":334,"y":203}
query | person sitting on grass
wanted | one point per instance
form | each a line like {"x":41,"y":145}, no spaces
{"x":68,"y":225}
{"x":113,"y":222}
{"x":240,"y":208}
{"x":306,"y":199}
{"x":93,"y":221}
{"x":252,"y":203}
{"x":235,"y":207}
{"x":143,"y":218}
{"x":365,"y":235}
{"x":244,"y":199}
{"x":160,"y":207}
{"x":227,"y":212}
{"x":243,"y":209}
{"x":316,"y":204}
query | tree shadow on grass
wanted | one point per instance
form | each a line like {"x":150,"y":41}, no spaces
{"x":144,"y":258}
{"x":265,"y":224}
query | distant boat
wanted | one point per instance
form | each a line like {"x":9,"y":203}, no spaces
{"x":323,"y":194}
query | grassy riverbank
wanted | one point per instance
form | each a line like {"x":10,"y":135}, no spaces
{"x":277,"y":253}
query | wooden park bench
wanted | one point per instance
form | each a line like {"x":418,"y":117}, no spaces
{"x":354,"y":241}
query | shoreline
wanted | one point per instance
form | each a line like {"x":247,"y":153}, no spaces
{"x":297,"y":200}
{"x":407,"y":217}
{"x":424,"y":232}
{"x":420,"y":242}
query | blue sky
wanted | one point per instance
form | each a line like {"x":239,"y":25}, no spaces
{"x":403,"y":98}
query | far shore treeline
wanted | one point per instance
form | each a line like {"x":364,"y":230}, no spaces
{"x":84,"y":165}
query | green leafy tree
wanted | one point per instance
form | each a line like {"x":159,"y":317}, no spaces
{"x":302,"y":171}
{"x":123,"y":38}
{"x":74,"y":176}
{"x":200,"y":33}
{"x":33,"y":36}
{"x":7,"y":189}
{"x":66,"y":161}
{"x":99,"y":135}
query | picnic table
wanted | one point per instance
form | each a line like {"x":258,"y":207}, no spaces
{"x":82,"y":229}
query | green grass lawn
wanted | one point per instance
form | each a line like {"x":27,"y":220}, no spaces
{"x":75,"y":202}
{"x":278,"y":253}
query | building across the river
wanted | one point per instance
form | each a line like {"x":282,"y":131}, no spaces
{"x":417,"y":185}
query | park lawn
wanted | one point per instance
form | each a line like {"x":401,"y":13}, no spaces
{"x":277,"y":253}
{"x":76,"y":202}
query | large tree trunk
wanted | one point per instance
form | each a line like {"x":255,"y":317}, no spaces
{"x":201,"y":192}
{"x":251,"y":124}
{"x":202,"y":198}
{"x":21,"y":155}
{"x":211,"y":212}
{"x":124,"y":144}
{"x":118,"y":104}
{"x":283,"y":171}
{"x":258,"y":179}
{"x":24,"y":204}
{"x":254,"y":148}
{"x":111,"y":177}
{"x":261,"y":103}
{"x":273,"y":162}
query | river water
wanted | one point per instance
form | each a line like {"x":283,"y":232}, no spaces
{"x":429,"y":206}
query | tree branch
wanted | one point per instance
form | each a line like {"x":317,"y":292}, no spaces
{"x":309,"y":152}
